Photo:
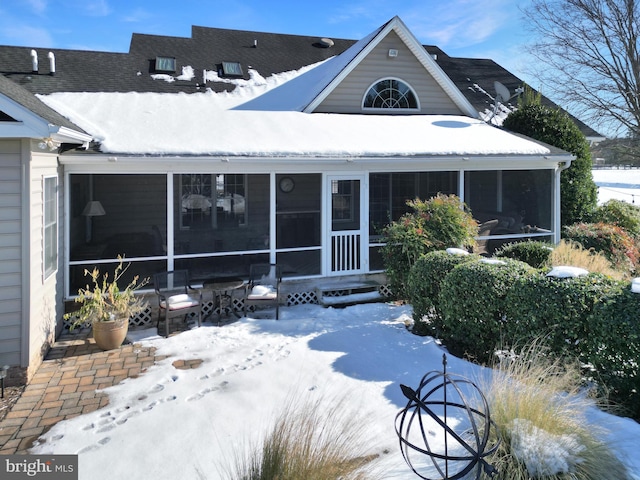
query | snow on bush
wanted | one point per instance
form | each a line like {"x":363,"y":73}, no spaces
{"x":543,"y":453}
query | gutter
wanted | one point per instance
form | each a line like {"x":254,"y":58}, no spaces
{"x":67,"y":135}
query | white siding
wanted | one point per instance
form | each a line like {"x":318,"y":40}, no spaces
{"x":44,"y":302}
{"x":29,"y":304}
{"x":10,"y":252}
{"x":347,"y":97}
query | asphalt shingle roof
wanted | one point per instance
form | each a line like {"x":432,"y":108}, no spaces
{"x":29,"y":101}
{"x":206,"y":49}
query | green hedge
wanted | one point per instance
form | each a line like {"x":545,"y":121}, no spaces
{"x":423,"y":288}
{"x":613,"y":347}
{"x":475,"y":307}
{"x":535,"y":253}
{"x":555,"y":309}
{"x":472,"y":300}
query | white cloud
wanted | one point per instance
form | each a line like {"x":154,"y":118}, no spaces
{"x":460,"y":23}
{"x":37,"y":6}
{"x":19,"y":34}
{"x":450,"y":24}
{"x":137,"y":15}
{"x":94,"y":8}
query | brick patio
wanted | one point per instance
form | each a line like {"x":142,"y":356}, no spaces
{"x":65,"y":386}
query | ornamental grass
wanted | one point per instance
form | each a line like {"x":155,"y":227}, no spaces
{"x":311,"y":442}
{"x":539,"y":405}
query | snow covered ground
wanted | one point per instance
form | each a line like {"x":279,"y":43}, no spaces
{"x":618,"y":184}
{"x":171,"y":423}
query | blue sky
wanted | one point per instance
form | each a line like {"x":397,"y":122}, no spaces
{"x":466,"y":28}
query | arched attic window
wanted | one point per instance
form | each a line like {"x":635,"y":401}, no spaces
{"x":390,"y":93}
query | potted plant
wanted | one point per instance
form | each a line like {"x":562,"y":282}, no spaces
{"x":107,"y":307}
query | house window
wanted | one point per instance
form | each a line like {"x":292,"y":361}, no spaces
{"x":343,"y":200}
{"x":231,"y":69}
{"x":196,"y":199}
{"x":50,"y":225}
{"x":165,"y":64}
{"x":390,"y":93}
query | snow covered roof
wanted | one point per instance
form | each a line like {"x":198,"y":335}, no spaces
{"x":202,"y":52}
{"x":204,"y":124}
{"x":267,"y":117}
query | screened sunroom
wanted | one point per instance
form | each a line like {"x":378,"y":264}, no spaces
{"x":314,"y":224}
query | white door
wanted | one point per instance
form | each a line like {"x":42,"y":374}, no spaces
{"x":347,"y":227}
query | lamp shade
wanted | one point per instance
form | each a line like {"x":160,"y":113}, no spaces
{"x":93,"y":209}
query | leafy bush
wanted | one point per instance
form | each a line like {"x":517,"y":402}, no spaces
{"x":568,"y":252}
{"x":612,"y":347}
{"x":535,"y":253}
{"x":612,"y":241}
{"x":423,"y":288}
{"x":555,"y":127}
{"x":472,"y":299}
{"x":435,"y":224}
{"x":554,"y":308}
{"x":622,"y":214}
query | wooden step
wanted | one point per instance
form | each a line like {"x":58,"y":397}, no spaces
{"x":344,"y":294}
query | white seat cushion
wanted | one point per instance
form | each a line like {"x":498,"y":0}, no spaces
{"x":262,"y":292}
{"x":178,"y":302}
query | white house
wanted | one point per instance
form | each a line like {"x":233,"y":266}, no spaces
{"x":232,"y":148}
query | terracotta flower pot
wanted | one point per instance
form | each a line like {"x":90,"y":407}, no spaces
{"x":110,"y":335}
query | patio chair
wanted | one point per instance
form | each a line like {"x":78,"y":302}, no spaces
{"x":176,"y":297}
{"x":484,"y":229}
{"x":263,"y":288}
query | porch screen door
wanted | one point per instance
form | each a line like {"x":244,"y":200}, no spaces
{"x":347,"y":232}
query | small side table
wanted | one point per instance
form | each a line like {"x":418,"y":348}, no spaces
{"x":222,"y":288}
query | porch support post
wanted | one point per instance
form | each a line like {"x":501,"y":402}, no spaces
{"x":556,"y":202}
{"x":272,"y":217}
{"x":170,"y":222}
{"x":461,"y":186}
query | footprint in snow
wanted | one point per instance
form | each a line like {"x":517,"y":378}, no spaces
{"x":206,"y":391}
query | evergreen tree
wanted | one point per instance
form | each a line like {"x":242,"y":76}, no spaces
{"x":577,"y":188}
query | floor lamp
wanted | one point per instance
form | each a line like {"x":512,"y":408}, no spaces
{"x":92,"y":209}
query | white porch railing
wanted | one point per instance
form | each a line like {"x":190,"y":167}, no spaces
{"x":345,"y":252}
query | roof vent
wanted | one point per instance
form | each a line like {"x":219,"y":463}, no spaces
{"x":52,"y":63}
{"x":34,"y":61}
{"x":325,"y":43}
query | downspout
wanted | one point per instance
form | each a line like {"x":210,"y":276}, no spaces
{"x":562,"y":166}
{"x":25,"y":260}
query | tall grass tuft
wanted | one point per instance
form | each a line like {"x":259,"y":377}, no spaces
{"x":569,"y":252}
{"x":539,"y":405}
{"x":311,"y":442}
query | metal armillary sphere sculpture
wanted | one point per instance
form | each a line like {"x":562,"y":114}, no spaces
{"x":455,"y":454}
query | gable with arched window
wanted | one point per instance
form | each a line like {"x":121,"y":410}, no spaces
{"x":390,"y":93}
